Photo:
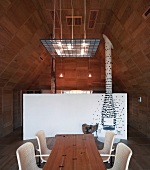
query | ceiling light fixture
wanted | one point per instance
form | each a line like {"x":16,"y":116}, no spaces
{"x":74,"y":47}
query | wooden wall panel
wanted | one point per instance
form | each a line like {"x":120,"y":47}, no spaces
{"x":20,"y":10}
{"x":22,"y":25}
{"x":1,"y":116}
{"x":139,"y":113}
{"x":129,"y":34}
{"x":44,"y":80}
{"x":16,"y":109}
{"x":25,"y":64}
{"x":7,"y":111}
{"x":76,"y":71}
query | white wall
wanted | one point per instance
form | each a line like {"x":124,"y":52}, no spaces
{"x":65,"y":113}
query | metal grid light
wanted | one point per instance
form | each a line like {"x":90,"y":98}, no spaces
{"x":71,"y":47}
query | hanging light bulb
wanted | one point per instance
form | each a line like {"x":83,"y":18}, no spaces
{"x":90,"y":75}
{"x":61,"y":75}
{"x":70,"y":47}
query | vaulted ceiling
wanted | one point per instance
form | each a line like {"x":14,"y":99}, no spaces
{"x":25,"y":63}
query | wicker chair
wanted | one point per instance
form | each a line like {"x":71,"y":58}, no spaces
{"x":108,"y":146}
{"x":26,"y":157}
{"x":42,"y":146}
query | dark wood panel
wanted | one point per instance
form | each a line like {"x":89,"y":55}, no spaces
{"x":16,"y":109}
{"x":7,"y":111}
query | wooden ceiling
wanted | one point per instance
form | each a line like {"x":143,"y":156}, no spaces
{"x":25,"y":63}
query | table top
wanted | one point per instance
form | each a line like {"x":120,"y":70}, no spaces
{"x":74,"y":152}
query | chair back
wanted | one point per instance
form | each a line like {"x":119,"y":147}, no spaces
{"x":108,"y":145}
{"x":108,"y":142}
{"x":41,"y":139}
{"x":122,"y":158}
{"x":26,"y":157}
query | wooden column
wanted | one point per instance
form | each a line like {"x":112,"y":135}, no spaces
{"x":53,"y":77}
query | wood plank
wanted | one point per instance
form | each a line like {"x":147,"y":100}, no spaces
{"x":74,"y":152}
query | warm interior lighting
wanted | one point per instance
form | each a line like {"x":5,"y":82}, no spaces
{"x":71,"y":47}
{"x":89,"y":68}
{"x":61,"y":75}
{"x":90,"y":75}
{"x":59,"y":44}
{"x":76,"y":92}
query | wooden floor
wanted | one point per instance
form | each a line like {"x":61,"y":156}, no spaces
{"x":139,"y":144}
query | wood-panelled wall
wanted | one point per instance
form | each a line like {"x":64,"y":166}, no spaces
{"x":25,"y":64}
{"x":76,"y":71}
{"x":130,"y":36}
{"x":129,"y":33}
{"x":22,"y":56}
{"x":139,"y":116}
{"x":6,"y":111}
{"x":1,"y":119}
{"x":17,"y":113}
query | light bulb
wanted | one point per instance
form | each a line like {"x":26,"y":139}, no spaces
{"x":69,"y":46}
{"x":59,"y":44}
{"x":90,"y":75}
{"x":61,"y":75}
{"x":82,"y":51}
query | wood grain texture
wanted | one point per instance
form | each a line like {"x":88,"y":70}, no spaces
{"x":6,"y":111}
{"x":23,"y":23}
{"x":74,"y":152}
{"x":138,"y":142}
{"x":121,"y":21}
{"x":17,"y":114}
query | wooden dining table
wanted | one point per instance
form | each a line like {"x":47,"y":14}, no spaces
{"x":74,"y":152}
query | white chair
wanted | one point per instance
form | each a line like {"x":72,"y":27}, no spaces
{"x":26,"y":157}
{"x":42,"y":146}
{"x":108,"y":146}
{"x":122,"y":157}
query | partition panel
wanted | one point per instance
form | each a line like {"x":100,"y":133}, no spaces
{"x":65,"y":113}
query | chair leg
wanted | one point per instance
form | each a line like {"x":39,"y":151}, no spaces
{"x":111,"y":158}
{"x":111,"y":161}
{"x":39,"y":162}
